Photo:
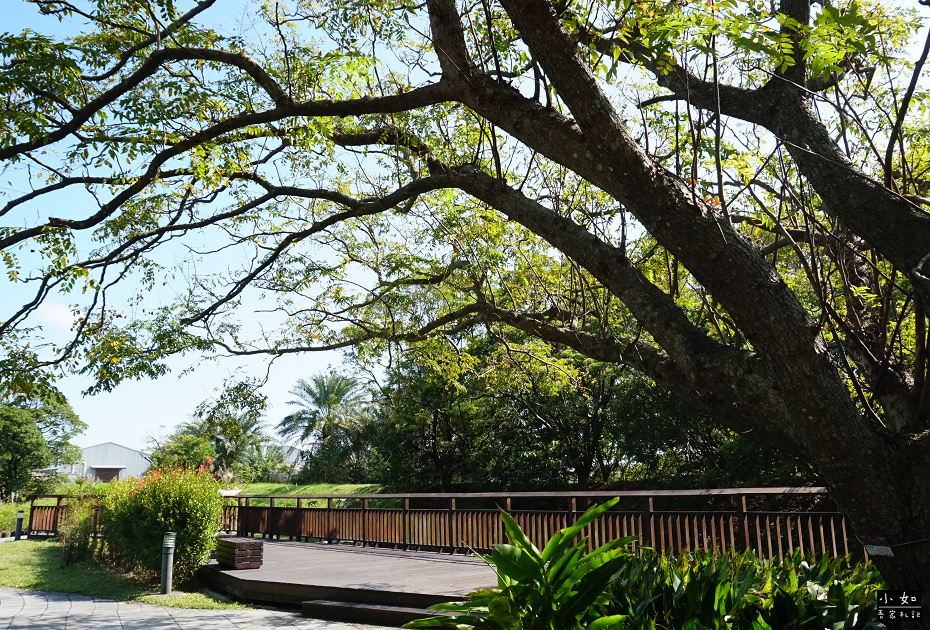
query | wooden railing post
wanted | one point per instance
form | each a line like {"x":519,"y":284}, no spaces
{"x":240,"y":531}
{"x":272,"y":521}
{"x":58,"y":511}
{"x":652,"y":523}
{"x":572,"y":512}
{"x":405,"y":516}
{"x":32,"y":512}
{"x":329,"y":518}
{"x":364,"y":522}
{"x":745,"y":518}
{"x":453,"y":542}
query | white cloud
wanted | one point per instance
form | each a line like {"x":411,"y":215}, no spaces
{"x":55,"y":314}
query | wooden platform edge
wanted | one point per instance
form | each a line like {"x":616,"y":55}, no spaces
{"x":245,"y":588}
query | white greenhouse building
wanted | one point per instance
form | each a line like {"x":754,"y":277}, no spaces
{"x":106,"y":462}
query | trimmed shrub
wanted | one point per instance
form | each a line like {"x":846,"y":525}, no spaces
{"x":136,"y":513}
{"x":8,"y":516}
{"x":77,"y":531}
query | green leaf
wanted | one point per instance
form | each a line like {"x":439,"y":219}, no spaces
{"x":515,"y":563}
{"x":518,"y":538}
{"x":614,"y":544}
{"x":608,"y":623}
{"x":562,"y":540}
{"x":558,"y":571}
{"x":784,"y":609}
{"x":589,"y":588}
{"x":447,"y":622}
{"x":553,"y":547}
{"x":428,"y":622}
{"x":720,"y":596}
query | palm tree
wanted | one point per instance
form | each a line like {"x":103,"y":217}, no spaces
{"x":232,"y":433}
{"x":328,"y":401}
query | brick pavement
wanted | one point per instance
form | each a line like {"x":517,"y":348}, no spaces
{"x":35,"y":610}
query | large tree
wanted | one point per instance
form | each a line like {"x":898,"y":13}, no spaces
{"x":725,"y":196}
{"x":53,"y":416}
{"x":492,"y":415}
{"x":22,"y":453}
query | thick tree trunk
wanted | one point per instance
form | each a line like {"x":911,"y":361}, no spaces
{"x":903,"y":519}
{"x":879,"y":478}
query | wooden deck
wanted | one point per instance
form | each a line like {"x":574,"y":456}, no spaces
{"x":294,"y":572}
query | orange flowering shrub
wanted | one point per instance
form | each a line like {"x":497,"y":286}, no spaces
{"x":137,"y":512}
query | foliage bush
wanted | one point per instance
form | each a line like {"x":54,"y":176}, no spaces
{"x":22,"y":450}
{"x":264,"y":461}
{"x":77,"y":531}
{"x":8,"y":516}
{"x":136,"y":513}
{"x":563,"y":588}
{"x":183,"y":451}
{"x":744,"y":591}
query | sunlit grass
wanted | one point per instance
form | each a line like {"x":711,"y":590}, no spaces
{"x":204,"y":599}
{"x":313,"y":488}
{"x":260,"y":488}
{"x":36,"y":565}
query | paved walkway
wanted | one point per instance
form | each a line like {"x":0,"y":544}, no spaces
{"x":62,"y":611}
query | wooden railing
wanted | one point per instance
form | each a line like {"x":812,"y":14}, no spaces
{"x":443,"y":522}
{"x":454,"y":528}
{"x":44,"y":519}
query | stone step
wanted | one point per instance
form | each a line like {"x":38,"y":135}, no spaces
{"x":357,"y":612}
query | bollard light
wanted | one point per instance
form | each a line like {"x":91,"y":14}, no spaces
{"x":19,"y":525}
{"x":167,"y":562}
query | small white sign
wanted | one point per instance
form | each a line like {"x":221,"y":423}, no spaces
{"x":877,"y":551}
{"x":876,"y":546}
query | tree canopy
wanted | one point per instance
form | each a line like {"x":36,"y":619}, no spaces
{"x":37,"y":427}
{"x":23,"y":451}
{"x":325,"y":402}
{"x":484,"y":417}
{"x":727,"y":196}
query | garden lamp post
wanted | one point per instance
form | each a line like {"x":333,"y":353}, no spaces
{"x":19,"y":525}
{"x":167,"y":562}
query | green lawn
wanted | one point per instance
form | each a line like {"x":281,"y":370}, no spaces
{"x":85,"y":487}
{"x":36,"y":565}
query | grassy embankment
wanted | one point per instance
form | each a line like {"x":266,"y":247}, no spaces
{"x":36,"y":565}
{"x":292,"y":489}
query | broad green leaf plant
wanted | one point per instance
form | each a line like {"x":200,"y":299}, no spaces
{"x":558,"y":588}
{"x":613,"y":587}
